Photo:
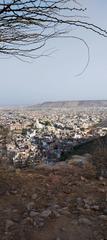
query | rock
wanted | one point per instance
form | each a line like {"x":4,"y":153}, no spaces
{"x":106,"y":197}
{"x":80,"y":160}
{"x":77,"y":160}
{"x":87,"y":156}
{"x":28,"y":220}
{"x":79,"y":201}
{"x":30,"y":206}
{"x":83,"y":220}
{"x":18,"y":171}
{"x":64,"y":211}
{"x":54,"y":206}
{"x":24,"y":194}
{"x":41,"y":224}
{"x":3,"y":188}
{"x":83,"y":178}
{"x":59,"y":165}
{"x":105,"y":211}
{"x":101,"y":178}
{"x":103,"y":217}
{"x":9,"y":224}
{"x":104,"y":172}
{"x":7,"y":193}
{"x":14,"y":191}
{"x":34,"y":196}
{"x":11,"y":168}
{"x":55,"y":213}
{"x":95,"y":207}
{"x":35,"y":224}
{"x":33,"y":214}
{"x":87,"y":204}
{"x":16,"y":215}
{"x":46,"y":213}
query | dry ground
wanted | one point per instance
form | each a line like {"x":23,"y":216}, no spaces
{"x":53,"y":203}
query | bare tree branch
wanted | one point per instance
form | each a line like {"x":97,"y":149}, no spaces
{"x":26,"y":25}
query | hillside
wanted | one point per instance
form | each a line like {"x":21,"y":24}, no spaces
{"x":63,"y":202}
{"x":71,"y":104}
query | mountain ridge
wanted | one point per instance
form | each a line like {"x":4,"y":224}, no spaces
{"x":71,"y":103}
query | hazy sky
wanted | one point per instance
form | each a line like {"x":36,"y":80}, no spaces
{"x":53,"y":78}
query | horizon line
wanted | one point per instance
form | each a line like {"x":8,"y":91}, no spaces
{"x":48,"y":101}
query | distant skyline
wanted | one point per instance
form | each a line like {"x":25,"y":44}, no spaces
{"x":56,"y":101}
{"x":53,"y":78}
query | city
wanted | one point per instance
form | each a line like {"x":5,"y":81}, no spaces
{"x":47,"y":136}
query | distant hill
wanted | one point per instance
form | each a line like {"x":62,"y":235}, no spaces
{"x":70,"y":104}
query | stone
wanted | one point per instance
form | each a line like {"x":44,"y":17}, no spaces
{"x":103,"y":217}
{"x":18,"y":171}
{"x":35,"y":224}
{"x":41,"y":224}
{"x":87,"y":206}
{"x":24,"y":194}
{"x":34,"y":196}
{"x":83,"y":220}
{"x":63,"y":229}
{"x":95,"y":207}
{"x":33,"y":214}
{"x":11,"y":168}
{"x":105,"y":211}
{"x":46,"y":213}
{"x":28,"y":220}
{"x":9,"y":224}
{"x":64,"y":211}
{"x":16,"y":215}
{"x":3,"y":188}
{"x":101,"y":178}
{"x":79,"y":200}
{"x":78,"y":159}
{"x":8,"y":193}
{"x":30,"y":206}
{"x":14,"y":191}
{"x":54,"y":206}
{"x":88,"y":156}
{"x":55,"y":213}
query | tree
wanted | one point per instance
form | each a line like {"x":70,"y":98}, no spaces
{"x":26,"y":25}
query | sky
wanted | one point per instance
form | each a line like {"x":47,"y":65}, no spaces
{"x":54,"y":77}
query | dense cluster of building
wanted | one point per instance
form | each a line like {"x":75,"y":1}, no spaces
{"x":38,"y":136}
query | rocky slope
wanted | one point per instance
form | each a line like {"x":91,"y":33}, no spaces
{"x":64,"y":202}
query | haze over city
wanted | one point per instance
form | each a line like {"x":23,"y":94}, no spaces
{"x":54,"y":77}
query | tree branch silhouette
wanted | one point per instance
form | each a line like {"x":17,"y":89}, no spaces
{"x":27,"y":25}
